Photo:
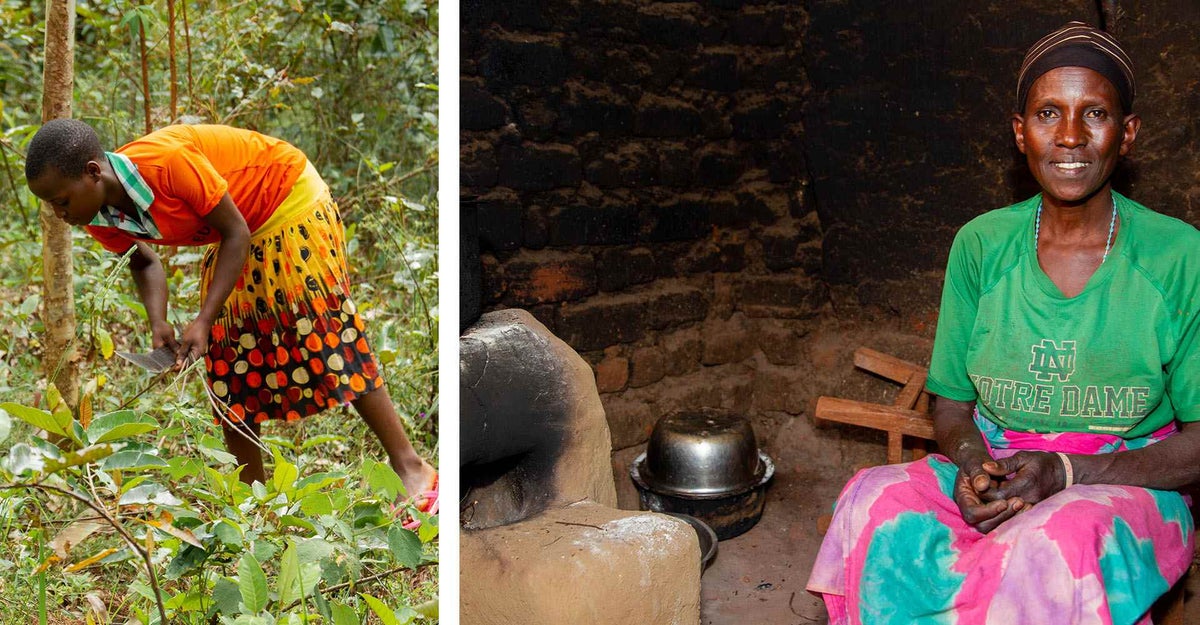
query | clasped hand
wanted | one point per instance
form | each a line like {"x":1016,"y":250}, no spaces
{"x":191,"y":346}
{"x":994,"y":491}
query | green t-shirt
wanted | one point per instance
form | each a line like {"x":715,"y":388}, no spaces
{"x":1119,"y":358}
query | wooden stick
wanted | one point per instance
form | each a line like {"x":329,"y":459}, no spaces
{"x":911,"y":392}
{"x":877,"y":416}
{"x":884,"y":365}
{"x":895,"y":450}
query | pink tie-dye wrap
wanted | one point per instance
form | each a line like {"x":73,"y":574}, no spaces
{"x":899,"y":552}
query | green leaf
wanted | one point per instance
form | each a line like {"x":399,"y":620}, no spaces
{"x":187,"y":559}
{"x":219,"y":455}
{"x":406,"y":614}
{"x":381,"y":610}
{"x":86,"y":455}
{"x":252,"y":584}
{"x":283,"y":479}
{"x":247,"y":619}
{"x":226,"y":596}
{"x":316,"y":504}
{"x":288,"y":520}
{"x":275,"y":440}
{"x":428,"y":610}
{"x":429,"y":527}
{"x":61,"y":412}
{"x":319,"y":482}
{"x":143,"y":589}
{"x":22,"y":458}
{"x":289,"y":572}
{"x":228,"y":533}
{"x":5,"y":425}
{"x":132,"y":482}
{"x":382,"y":479}
{"x":120,"y":424}
{"x":149,"y":493}
{"x":405,"y":546}
{"x":179,"y":467}
{"x":191,"y":601}
{"x":126,"y":459}
{"x":30,"y":304}
{"x":104,"y":341}
{"x":41,"y":419}
{"x":264,"y":550}
{"x":298,"y":577}
{"x":313,"y":550}
{"x":343,"y":614}
{"x":323,"y":607}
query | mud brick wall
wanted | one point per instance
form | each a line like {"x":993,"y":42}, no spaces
{"x":686,"y":191}
{"x":636,"y":177}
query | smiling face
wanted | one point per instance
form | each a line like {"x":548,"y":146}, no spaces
{"x":1072,"y":133}
{"x":74,"y":200}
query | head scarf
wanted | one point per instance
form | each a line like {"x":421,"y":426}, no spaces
{"x":1078,"y":45}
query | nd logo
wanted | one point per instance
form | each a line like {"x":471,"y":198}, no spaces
{"x":1051,"y":360}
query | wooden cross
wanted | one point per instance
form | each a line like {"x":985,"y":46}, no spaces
{"x":907,"y":416}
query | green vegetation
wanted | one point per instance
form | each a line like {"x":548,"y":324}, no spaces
{"x":135,"y":510}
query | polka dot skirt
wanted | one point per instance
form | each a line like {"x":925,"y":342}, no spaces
{"x":290,"y":341}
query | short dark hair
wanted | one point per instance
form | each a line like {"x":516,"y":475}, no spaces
{"x":66,"y":144}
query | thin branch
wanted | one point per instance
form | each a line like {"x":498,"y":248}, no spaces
{"x":145,"y":72}
{"x":12,"y":182}
{"x":187,"y":44}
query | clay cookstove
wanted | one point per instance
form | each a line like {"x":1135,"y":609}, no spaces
{"x":542,"y":540}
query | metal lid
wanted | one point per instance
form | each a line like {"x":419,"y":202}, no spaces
{"x":702,"y":453}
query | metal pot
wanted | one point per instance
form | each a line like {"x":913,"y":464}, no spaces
{"x":705,"y":464}
{"x":707,"y":452}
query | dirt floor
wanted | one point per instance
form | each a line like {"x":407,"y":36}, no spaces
{"x":759,"y":577}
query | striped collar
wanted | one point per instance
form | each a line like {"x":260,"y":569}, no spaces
{"x":140,"y":225}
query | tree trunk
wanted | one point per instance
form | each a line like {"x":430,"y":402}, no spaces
{"x":60,"y":361}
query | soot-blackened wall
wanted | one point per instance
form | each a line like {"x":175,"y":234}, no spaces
{"x":908,"y":131}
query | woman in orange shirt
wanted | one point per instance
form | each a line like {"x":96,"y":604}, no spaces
{"x":279,"y":333}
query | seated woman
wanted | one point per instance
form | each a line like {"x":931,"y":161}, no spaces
{"x":1067,"y":381}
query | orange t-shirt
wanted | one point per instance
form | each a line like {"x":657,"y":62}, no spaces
{"x":190,"y":168}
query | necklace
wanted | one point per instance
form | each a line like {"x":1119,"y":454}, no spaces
{"x":1112,"y":224}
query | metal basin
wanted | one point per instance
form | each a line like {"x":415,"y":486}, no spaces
{"x":706,"y":536}
{"x":704,"y":453}
{"x":728,"y":515}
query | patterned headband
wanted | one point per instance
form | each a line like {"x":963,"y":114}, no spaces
{"x":1078,"y":45}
